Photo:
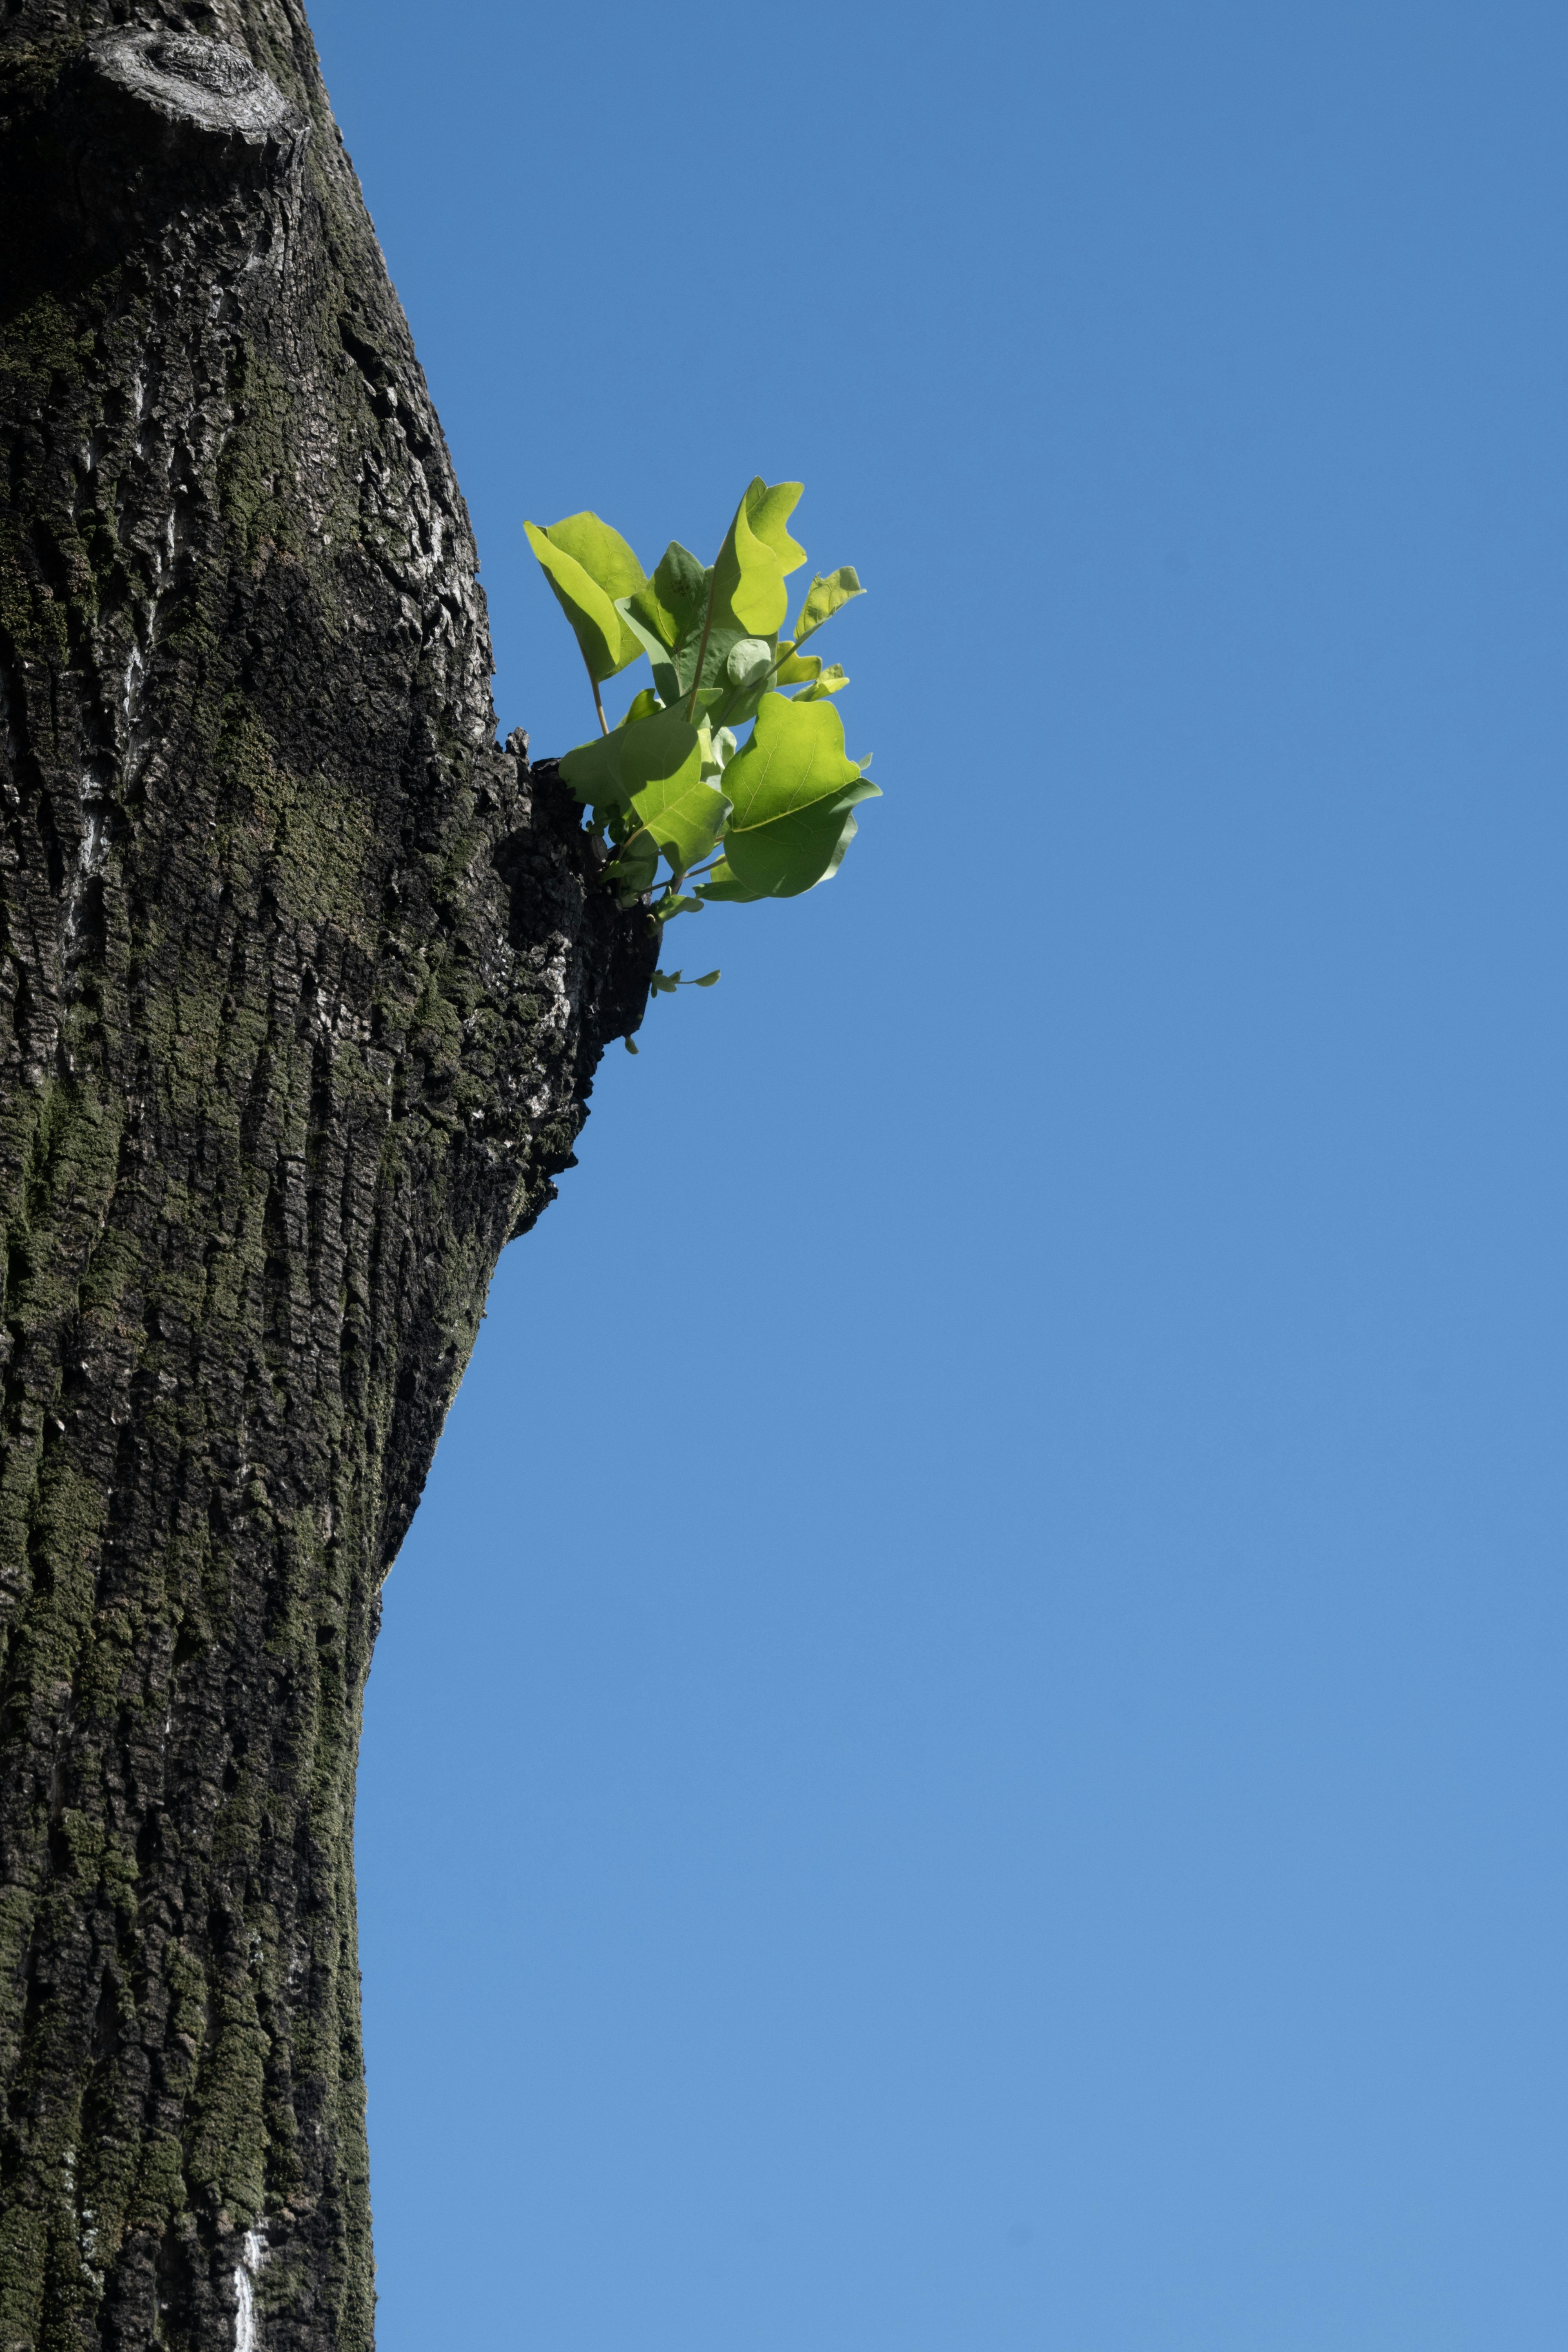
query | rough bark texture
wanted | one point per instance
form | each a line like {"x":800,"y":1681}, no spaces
{"x":303,"y":981}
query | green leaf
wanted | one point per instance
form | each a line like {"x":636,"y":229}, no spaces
{"x":757,"y":555}
{"x":796,"y":670}
{"x":792,"y":789}
{"x":600,"y":551}
{"x":831,"y":681}
{"x":665,"y":984}
{"x":642,"y":706}
{"x":769,"y":514}
{"x":633,"y":869}
{"x":748,"y":659}
{"x":671,"y":604}
{"x":629,"y":1047}
{"x":707,"y":980}
{"x":661,"y":769}
{"x":652,"y":644}
{"x":663,"y":744}
{"x":667,"y":908}
{"x":722,"y":883}
{"x":723,"y":639}
{"x":588,"y":565}
{"x":826,"y":595}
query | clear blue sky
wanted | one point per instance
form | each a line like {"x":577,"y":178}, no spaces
{"x":968,"y":1750}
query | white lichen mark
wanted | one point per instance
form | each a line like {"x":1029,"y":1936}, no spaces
{"x":253,"y":2254}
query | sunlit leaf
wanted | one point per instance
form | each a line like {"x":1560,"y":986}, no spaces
{"x":600,"y":551}
{"x":797,"y":669}
{"x":831,"y":681}
{"x":661,"y":770}
{"x":588,"y":565}
{"x":792,"y":789}
{"x":827,"y":594}
{"x":757,"y":554}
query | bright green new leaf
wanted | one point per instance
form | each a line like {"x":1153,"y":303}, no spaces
{"x":757,"y":555}
{"x":794,"y":759}
{"x":588,"y":565}
{"x":706,"y":981}
{"x":685,"y":819}
{"x":792,"y":789}
{"x":831,"y":681}
{"x":826,"y":596}
{"x":643,"y":705}
{"x":770,"y":513}
{"x":600,"y":551}
{"x":661,"y":769}
{"x":796,"y":670}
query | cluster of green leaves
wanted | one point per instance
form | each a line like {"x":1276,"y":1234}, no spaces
{"x":672,"y":784}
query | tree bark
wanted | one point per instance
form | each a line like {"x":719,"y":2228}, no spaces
{"x":302,"y":983}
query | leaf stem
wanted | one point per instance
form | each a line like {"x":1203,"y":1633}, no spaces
{"x":598,"y":704}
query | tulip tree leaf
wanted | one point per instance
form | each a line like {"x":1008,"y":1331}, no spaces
{"x":724,"y":883}
{"x":575,"y":553}
{"x":797,"y":669}
{"x":826,"y":595}
{"x":747,"y":659}
{"x":655,"y":647}
{"x":757,"y":555}
{"x":603,"y":554}
{"x":661,"y":770}
{"x":792,"y":789}
{"x":831,"y":680}
{"x":671,"y":604}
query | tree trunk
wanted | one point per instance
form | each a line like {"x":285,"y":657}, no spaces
{"x":302,"y":983}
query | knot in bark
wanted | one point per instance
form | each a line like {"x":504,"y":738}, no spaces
{"x":182,"y":97}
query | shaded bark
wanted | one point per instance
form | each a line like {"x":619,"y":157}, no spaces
{"x":302,"y":983}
